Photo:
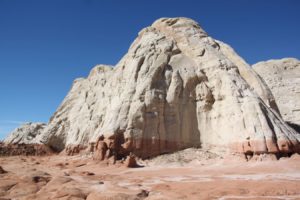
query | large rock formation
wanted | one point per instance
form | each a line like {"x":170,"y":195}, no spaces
{"x":283,"y":78}
{"x":175,"y":88}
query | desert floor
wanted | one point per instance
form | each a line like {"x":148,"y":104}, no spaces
{"x":80,"y":177}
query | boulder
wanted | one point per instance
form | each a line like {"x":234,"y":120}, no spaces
{"x":130,"y":161}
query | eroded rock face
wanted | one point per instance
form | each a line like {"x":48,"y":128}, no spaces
{"x":25,"y":149}
{"x":283,"y":78}
{"x":251,"y":77}
{"x":73,"y":149}
{"x":25,"y":134}
{"x":175,"y":88}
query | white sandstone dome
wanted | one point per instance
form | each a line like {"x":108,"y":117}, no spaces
{"x":175,"y":88}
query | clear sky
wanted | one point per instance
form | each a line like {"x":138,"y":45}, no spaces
{"x":46,"y":44}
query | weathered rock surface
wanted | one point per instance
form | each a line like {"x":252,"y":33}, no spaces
{"x":25,"y":149}
{"x":25,"y":134}
{"x":252,"y":78}
{"x":74,"y":149}
{"x":283,"y":78}
{"x":175,"y":88}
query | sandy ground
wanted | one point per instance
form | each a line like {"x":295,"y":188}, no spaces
{"x":79,"y":177}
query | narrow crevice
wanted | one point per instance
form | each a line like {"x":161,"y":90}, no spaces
{"x":138,"y":67}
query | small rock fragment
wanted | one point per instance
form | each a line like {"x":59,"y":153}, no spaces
{"x":2,"y":171}
{"x":131,"y":161}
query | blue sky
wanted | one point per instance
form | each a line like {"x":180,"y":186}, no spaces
{"x":46,"y":44}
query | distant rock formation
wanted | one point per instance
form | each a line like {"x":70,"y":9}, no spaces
{"x":25,"y":134}
{"x":22,"y":141}
{"x":283,"y":78}
{"x":175,"y":88}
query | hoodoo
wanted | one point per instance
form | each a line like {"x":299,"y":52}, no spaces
{"x":175,"y":88}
